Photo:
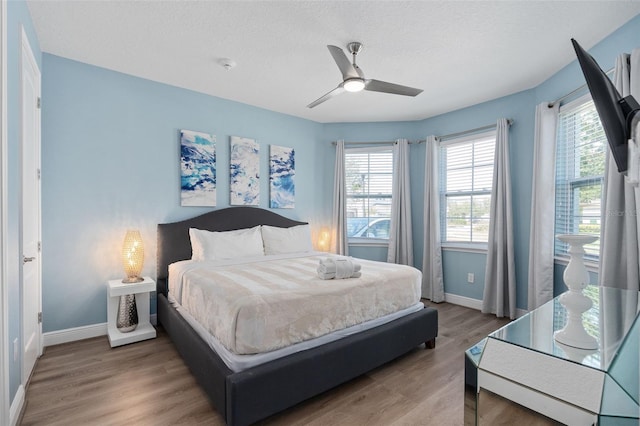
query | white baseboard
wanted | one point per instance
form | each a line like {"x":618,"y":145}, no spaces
{"x":72,"y":334}
{"x":476,"y":304}
{"x":467,"y":302}
{"x":79,"y":333}
{"x":16,"y":406}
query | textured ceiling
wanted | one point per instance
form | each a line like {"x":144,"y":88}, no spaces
{"x":460,"y":52}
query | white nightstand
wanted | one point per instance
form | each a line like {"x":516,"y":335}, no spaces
{"x":144,"y":330}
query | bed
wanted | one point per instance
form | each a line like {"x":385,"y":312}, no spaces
{"x":244,"y":397}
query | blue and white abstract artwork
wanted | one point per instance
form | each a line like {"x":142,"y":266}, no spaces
{"x":244,"y":165}
{"x":198,"y":169}
{"x":282,"y":171}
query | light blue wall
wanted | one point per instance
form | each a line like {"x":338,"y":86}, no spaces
{"x":456,"y":265}
{"x":18,"y":17}
{"x":110,"y":161}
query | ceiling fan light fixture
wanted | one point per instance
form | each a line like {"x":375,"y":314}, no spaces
{"x":353,"y":77}
{"x":353,"y":85}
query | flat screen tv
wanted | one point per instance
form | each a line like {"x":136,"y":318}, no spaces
{"x":616,"y":112}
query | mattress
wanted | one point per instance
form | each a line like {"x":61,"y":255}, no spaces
{"x":258,"y":305}
{"x":238,"y":363}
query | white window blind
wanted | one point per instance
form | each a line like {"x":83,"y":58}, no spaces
{"x":369,"y":182}
{"x":466,"y":175}
{"x":580,"y":159}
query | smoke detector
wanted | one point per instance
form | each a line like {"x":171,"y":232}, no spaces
{"x":227,"y":63}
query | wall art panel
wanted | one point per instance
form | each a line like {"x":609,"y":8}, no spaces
{"x":198,"y":169}
{"x":282,"y":171}
{"x":244,"y":165}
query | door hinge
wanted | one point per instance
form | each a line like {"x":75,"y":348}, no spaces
{"x":39,"y":317}
{"x":39,"y":246}
{"x":39,"y":174}
{"x":38,"y":102}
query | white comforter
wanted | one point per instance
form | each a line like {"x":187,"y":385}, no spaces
{"x":261,"y":304}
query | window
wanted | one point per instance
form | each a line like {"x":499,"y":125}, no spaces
{"x":369,"y":179}
{"x":466,"y":176}
{"x":580,"y":159}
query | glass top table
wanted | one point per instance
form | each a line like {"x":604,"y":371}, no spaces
{"x":525,"y":352}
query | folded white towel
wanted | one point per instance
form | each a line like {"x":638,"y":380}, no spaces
{"x":338,"y":268}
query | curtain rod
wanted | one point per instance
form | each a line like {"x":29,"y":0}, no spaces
{"x":573,"y":92}
{"x":510,"y":121}
{"x":371,"y":143}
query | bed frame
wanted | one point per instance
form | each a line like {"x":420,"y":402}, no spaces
{"x":248,"y":396}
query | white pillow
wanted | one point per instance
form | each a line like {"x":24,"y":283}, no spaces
{"x":286,"y":240}
{"x":208,"y":245}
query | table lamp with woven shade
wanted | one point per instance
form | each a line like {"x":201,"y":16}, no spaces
{"x":132,"y":257}
{"x":132,"y":261}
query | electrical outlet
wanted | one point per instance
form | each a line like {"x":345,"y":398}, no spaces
{"x":470,"y":277}
{"x":15,"y":349}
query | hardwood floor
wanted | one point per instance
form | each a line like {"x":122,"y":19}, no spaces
{"x":146,"y":383}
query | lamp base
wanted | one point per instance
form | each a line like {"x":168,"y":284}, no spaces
{"x":127,"y":319}
{"x":130,"y":280}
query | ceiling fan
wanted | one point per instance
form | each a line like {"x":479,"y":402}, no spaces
{"x":353,"y":78}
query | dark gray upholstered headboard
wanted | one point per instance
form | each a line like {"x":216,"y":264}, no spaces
{"x":173,"y":238}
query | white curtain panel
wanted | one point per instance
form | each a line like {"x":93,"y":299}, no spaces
{"x":339,"y":242}
{"x":400,"y":233}
{"x":619,"y":231}
{"x":541,"y":237}
{"x":635,"y":90}
{"x":619,"y":236}
{"x":500,"y":277}
{"x":432,"y":282}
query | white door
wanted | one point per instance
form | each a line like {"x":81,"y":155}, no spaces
{"x":4,"y":340}
{"x":30,"y":227}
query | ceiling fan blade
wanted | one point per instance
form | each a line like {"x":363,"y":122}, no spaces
{"x":396,"y":89}
{"x":335,"y":92}
{"x":346,"y":67}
